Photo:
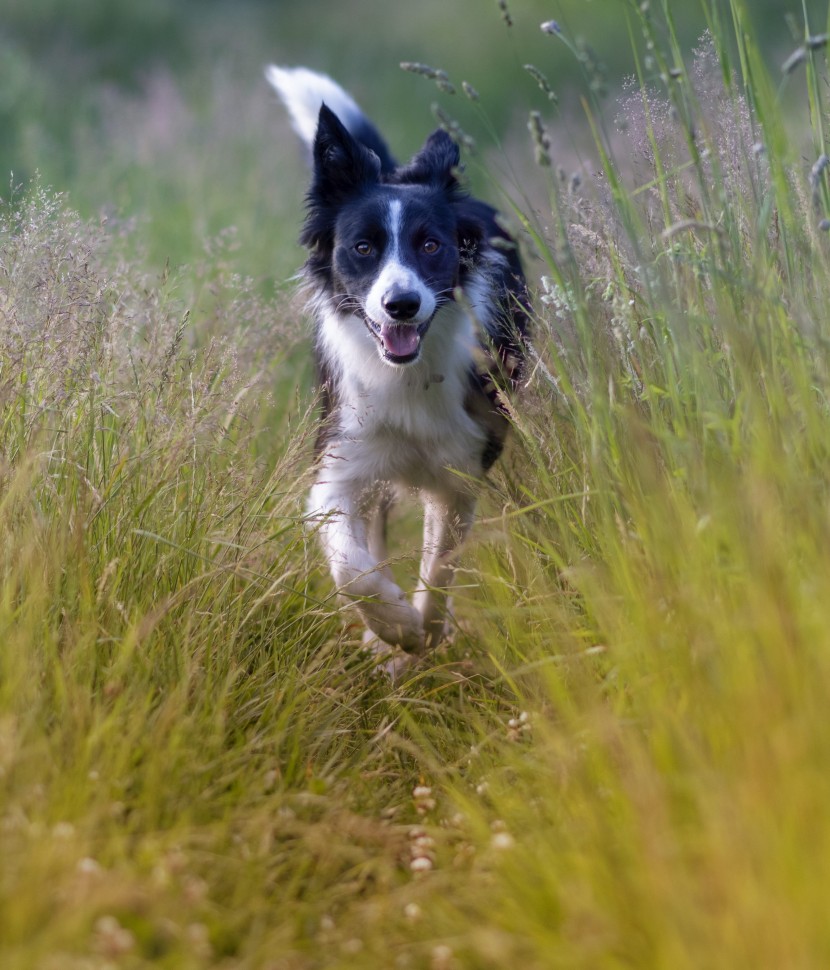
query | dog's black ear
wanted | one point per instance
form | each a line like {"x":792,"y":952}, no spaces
{"x":435,"y":164}
{"x":342,"y":165}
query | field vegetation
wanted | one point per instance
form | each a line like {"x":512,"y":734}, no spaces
{"x":621,"y":759}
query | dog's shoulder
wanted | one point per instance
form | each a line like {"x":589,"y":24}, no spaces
{"x":494,"y":283}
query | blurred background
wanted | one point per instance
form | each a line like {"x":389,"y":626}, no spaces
{"x":155,"y":117}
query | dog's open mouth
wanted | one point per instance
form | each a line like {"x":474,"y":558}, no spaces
{"x":400,"y":342}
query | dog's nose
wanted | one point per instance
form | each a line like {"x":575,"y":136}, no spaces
{"x":402,"y":304}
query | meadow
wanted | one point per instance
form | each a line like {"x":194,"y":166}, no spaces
{"x":621,"y":758}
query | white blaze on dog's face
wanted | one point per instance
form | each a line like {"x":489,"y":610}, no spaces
{"x":395,"y":263}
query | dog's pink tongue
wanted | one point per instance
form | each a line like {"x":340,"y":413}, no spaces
{"x":400,"y":339}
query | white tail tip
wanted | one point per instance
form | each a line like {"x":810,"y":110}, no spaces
{"x":304,"y":91}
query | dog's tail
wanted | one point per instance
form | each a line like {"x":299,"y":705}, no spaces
{"x":304,"y":92}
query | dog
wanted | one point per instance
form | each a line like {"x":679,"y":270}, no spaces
{"x":422,"y":324}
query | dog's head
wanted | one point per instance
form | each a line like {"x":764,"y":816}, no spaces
{"x":387,"y":247}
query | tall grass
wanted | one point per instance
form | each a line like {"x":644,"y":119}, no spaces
{"x":620,"y":761}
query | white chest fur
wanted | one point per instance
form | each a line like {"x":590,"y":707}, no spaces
{"x":408,"y":424}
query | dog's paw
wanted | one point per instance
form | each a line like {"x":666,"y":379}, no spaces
{"x":391,"y":618}
{"x":438,"y":630}
{"x":383,"y":607}
{"x":391,"y":662}
{"x":437,"y":619}
{"x":396,"y":625}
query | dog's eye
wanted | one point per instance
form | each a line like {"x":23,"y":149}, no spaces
{"x":431,"y":246}
{"x":363,"y":248}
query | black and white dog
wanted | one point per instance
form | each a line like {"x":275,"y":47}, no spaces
{"x":421,"y":320}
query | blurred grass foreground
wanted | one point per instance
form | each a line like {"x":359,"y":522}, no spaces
{"x":621,"y":760}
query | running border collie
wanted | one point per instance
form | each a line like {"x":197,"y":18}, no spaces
{"x":421,"y":317}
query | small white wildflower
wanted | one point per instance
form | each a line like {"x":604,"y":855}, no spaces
{"x":424,"y":802}
{"x":517,"y":726}
{"x":441,"y":958}
{"x":420,"y":864}
{"x":111,"y":938}
{"x":413,"y":912}
{"x":703,"y":523}
{"x":423,"y":844}
{"x":502,"y":841}
{"x":562,"y":300}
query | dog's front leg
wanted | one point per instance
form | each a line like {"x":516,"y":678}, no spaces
{"x":447,"y":521}
{"x":345,"y":535}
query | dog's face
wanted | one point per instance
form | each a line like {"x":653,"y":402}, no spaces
{"x":388,"y":249}
{"x":395,"y":262}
